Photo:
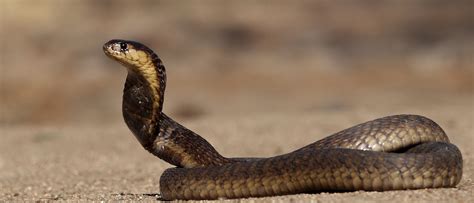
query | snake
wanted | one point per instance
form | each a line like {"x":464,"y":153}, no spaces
{"x":397,"y":152}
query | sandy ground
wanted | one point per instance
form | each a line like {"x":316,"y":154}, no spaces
{"x":107,"y":163}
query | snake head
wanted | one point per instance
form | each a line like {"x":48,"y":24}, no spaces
{"x":129,"y":53}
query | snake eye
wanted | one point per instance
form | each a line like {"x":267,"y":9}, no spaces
{"x":123,"y":46}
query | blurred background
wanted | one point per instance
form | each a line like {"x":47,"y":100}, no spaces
{"x":247,"y":75}
{"x":237,"y":58}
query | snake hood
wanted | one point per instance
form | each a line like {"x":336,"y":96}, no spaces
{"x":144,"y":88}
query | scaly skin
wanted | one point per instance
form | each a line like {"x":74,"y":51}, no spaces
{"x":390,"y":153}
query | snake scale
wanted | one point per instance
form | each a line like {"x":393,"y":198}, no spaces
{"x":390,"y":153}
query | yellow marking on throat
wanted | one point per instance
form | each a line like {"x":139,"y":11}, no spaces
{"x":144,"y":66}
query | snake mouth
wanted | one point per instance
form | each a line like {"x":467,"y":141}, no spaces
{"x":107,"y":48}
{"x":114,"y":50}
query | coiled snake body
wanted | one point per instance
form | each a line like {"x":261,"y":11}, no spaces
{"x":390,"y":153}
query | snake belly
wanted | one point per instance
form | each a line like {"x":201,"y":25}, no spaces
{"x":389,"y":153}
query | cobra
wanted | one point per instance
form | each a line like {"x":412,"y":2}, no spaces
{"x":390,"y":153}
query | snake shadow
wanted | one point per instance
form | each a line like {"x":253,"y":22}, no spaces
{"x":155,"y":195}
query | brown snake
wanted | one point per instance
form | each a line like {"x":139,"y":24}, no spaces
{"x":390,"y":153}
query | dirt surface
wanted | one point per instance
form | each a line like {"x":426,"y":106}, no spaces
{"x":107,"y":163}
{"x":253,"y":78}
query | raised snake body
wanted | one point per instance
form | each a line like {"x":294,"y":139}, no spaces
{"x":390,"y":153}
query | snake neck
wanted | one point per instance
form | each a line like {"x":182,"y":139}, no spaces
{"x":139,"y":110}
{"x":159,"y":134}
{"x":143,"y":99}
{"x":182,"y":147}
{"x":142,"y":105}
